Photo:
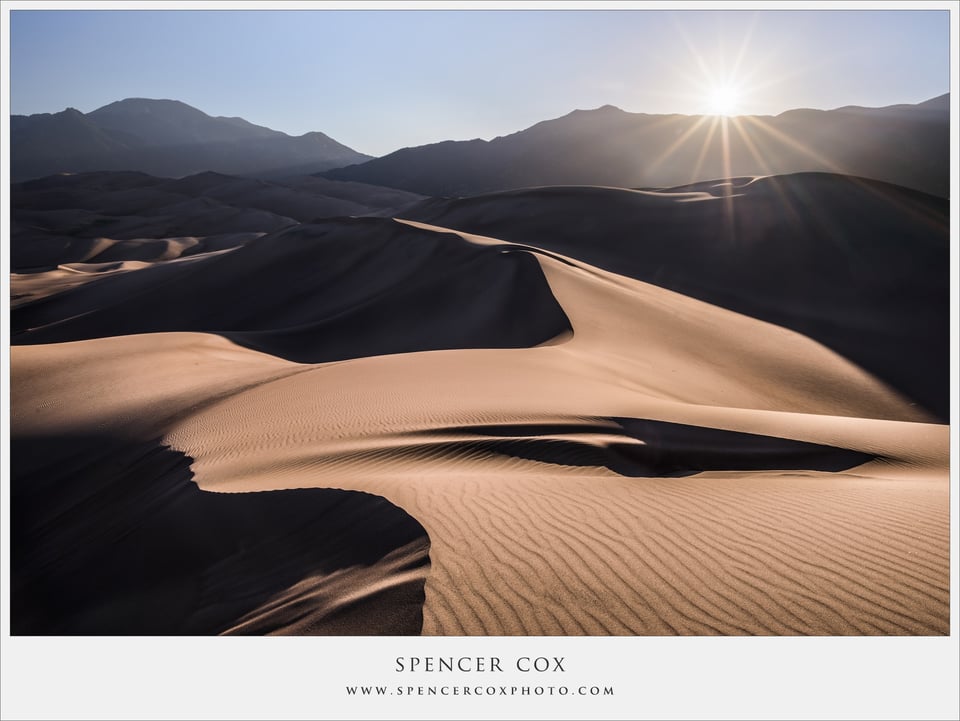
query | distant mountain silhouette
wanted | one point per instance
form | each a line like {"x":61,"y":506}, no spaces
{"x":907,"y":145}
{"x":165,"y":138}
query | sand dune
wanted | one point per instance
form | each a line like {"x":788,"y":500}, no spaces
{"x":583,"y":452}
{"x":69,"y":218}
{"x":857,"y":265}
{"x":239,"y":569}
{"x":320,"y":292}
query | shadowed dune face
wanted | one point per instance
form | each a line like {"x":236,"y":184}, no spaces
{"x":321,"y":292}
{"x":860,"y":266}
{"x":82,"y":218}
{"x":124,"y":542}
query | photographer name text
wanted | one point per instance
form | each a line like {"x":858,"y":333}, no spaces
{"x":479,"y":664}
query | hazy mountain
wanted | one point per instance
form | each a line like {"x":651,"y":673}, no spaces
{"x":163,"y":137}
{"x":46,"y":138}
{"x":903,"y":144}
{"x":170,"y":122}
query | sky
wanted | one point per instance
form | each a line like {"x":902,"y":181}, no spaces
{"x":379,"y":80}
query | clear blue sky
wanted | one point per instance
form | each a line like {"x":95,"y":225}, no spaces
{"x":380,"y":80}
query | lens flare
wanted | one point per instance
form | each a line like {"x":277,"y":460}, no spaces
{"x":724,"y":100}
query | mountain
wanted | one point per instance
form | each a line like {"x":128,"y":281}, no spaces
{"x":170,"y":122}
{"x":165,"y":138}
{"x":42,"y":139}
{"x":906,"y":145}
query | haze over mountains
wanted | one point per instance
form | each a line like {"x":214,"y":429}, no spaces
{"x":905,"y":145}
{"x":902,"y":144}
{"x":166,"y":138}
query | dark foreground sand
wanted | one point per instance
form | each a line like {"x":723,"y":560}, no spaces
{"x":377,"y":425}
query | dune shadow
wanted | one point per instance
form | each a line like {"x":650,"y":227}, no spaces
{"x":334,"y":290}
{"x":676,"y":448}
{"x":656,"y":448}
{"x":111,"y":537}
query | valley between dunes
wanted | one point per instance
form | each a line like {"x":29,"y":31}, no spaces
{"x":396,"y":425}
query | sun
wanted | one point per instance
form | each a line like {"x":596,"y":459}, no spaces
{"x":724,"y":100}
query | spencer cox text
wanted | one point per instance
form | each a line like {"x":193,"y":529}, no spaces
{"x":479,"y":664}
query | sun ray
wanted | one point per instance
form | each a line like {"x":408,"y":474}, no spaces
{"x":795,"y":144}
{"x":678,"y":143}
{"x":744,"y":46}
{"x":828,"y":165}
{"x":751,"y":146}
{"x":705,"y":70}
{"x":727,"y":174}
{"x":775,"y":181}
{"x":724,"y":82}
{"x":811,"y":211}
{"x":703,"y":151}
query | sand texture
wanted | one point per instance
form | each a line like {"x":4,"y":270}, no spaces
{"x":716,"y":409}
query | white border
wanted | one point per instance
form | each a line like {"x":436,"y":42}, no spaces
{"x":166,"y":678}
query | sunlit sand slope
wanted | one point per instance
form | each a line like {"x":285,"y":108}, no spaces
{"x":858,"y":265}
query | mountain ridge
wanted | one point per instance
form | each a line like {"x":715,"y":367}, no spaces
{"x":907,"y":145}
{"x":903,"y":144}
{"x":162,"y":137}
